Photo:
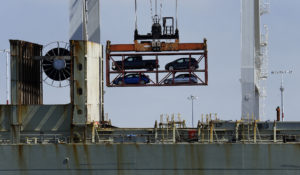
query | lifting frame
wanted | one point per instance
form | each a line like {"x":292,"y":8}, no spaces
{"x":118,"y":51}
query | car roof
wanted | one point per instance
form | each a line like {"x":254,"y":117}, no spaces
{"x":133,"y":74}
{"x":183,"y":58}
{"x":135,"y":56}
{"x":186,"y":74}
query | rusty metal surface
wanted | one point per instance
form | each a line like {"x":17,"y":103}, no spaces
{"x":34,"y":122}
{"x":147,"y":47}
{"x":78,"y":85}
{"x":146,"y":159}
{"x":86,"y":81}
{"x":26,"y":77}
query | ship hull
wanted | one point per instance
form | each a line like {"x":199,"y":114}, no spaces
{"x":149,"y":159}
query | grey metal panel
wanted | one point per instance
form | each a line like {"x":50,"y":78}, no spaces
{"x":47,"y":118}
{"x":76,"y":20}
{"x":5,"y":114}
{"x":150,"y":159}
{"x":93,"y":20}
{"x":93,"y":24}
{"x":36,"y":118}
{"x":250,"y":35}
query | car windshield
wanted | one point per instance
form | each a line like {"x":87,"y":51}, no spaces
{"x":180,"y":61}
{"x":188,"y":76}
{"x":180,"y":76}
{"x":129,"y":76}
{"x":130,"y":59}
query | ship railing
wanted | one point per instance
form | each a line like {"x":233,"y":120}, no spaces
{"x":44,"y":138}
{"x":164,"y":137}
{"x":168,"y":135}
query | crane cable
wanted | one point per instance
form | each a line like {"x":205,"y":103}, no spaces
{"x":160,"y":9}
{"x":176,"y":14}
{"x":151,"y":10}
{"x":155,"y":7}
{"x":135,"y":15}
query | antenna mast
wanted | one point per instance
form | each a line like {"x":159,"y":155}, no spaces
{"x":282,"y":72}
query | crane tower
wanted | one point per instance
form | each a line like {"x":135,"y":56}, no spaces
{"x":253,"y":57}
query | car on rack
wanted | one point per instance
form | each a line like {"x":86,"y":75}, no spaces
{"x":182,"y":63}
{"x":135,"y":62}
{"x":182,"y":78}
{"x":132,"y":79}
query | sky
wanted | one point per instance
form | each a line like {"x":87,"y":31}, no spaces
{"x":45,"y":21}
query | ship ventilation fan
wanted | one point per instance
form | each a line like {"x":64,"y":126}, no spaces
{"x":57,"y":64}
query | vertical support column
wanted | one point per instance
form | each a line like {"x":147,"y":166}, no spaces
{"x":237,"y":130}
{"x":156,"y":74}
{"x":93,"y":133}
{"x":155,"y":130}
{"x":86,"y":87}
{"x":211,"y":132}
{"x":202,"y":134}
{"x":243,"y":132}
{"x":206,"y":62}
{"x":78,"y":85}
{"x":101,"y":94}
{"x":199,"y":131}
{"x":254,"y":131}
{"x":174,"y":133}
{"x":107,"y":63}
{"x":250,"y":56}
{"x":274,"y":132}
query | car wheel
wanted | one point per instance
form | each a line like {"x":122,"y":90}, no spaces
{"x":171,"y":68}
{"x":120,"y":82}
{"x":150,"y":68}
{"x":192,"y":68}
{"x":142,"y":82}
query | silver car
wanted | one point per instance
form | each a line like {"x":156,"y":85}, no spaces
{"x":182,"y":78}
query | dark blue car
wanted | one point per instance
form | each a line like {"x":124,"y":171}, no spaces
{"x":182,"y":78}
{"x":132,"y":79}
{"x":182,"y":63}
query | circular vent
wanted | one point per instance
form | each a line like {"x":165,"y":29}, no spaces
{"x":57,"y":67}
